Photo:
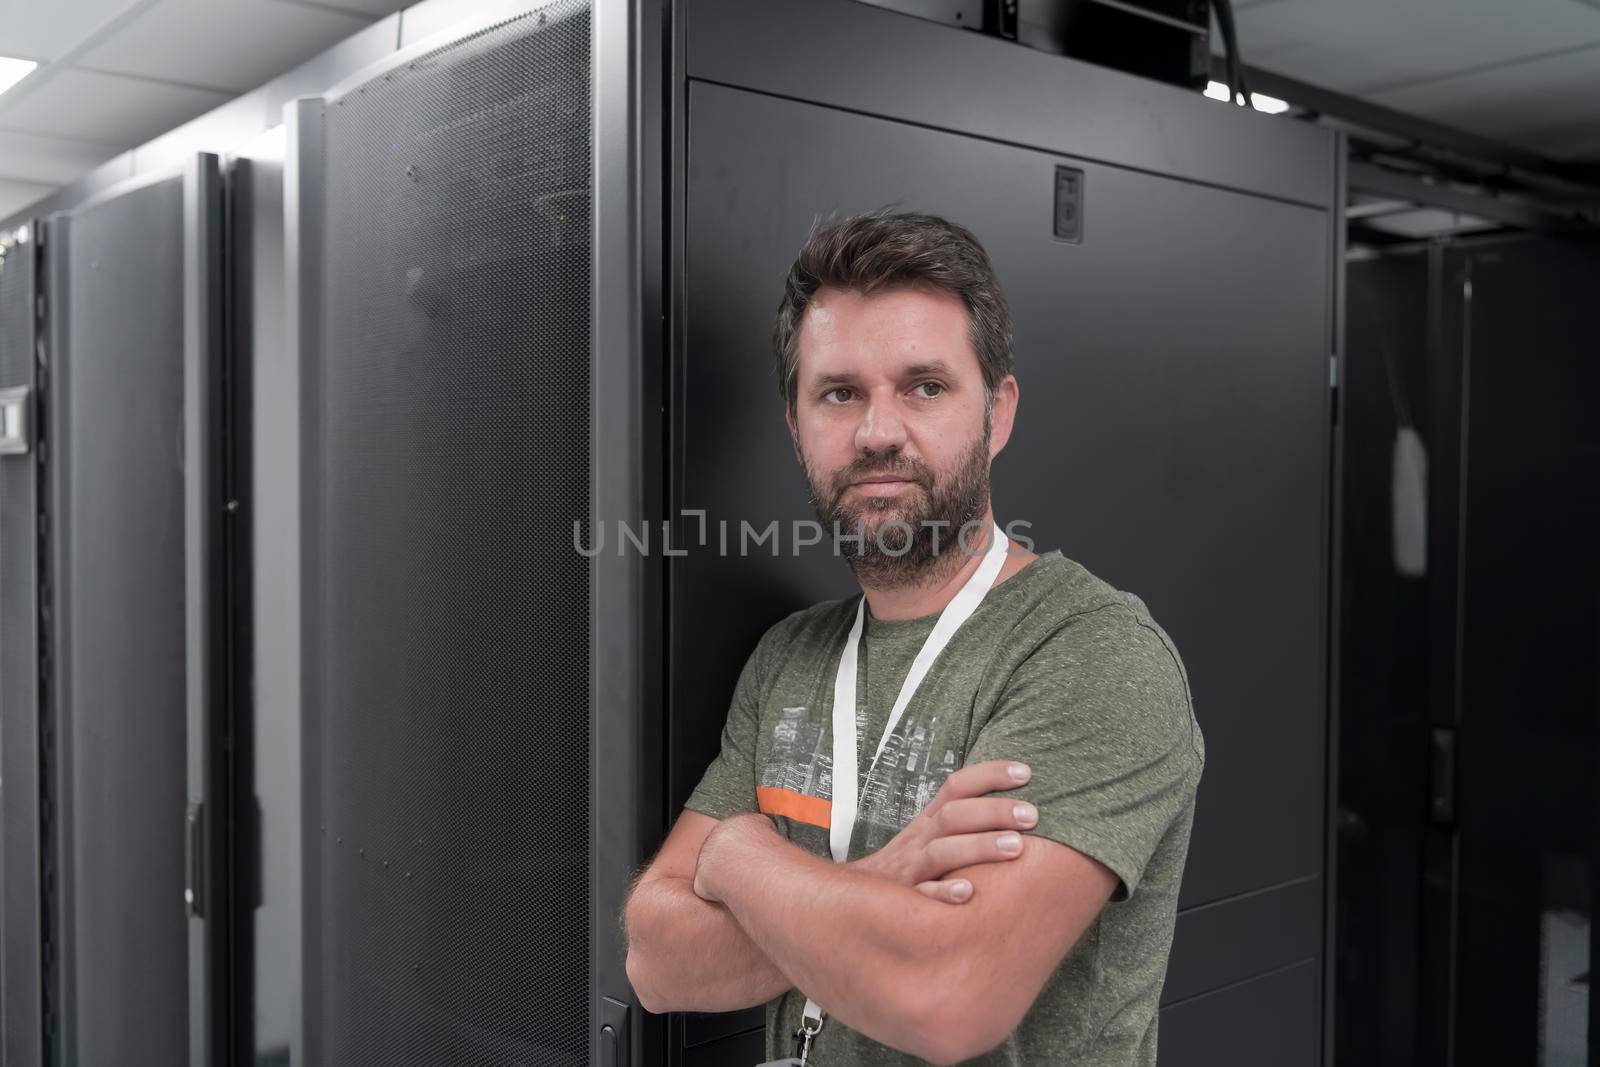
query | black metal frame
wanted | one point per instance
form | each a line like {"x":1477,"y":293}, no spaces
{"x":208,"y":530}
{"x":1417,"y":161}
{"x":1337,"y":230}
{"x":55,"y":783}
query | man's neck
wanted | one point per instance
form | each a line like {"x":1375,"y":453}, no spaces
{"x":926,"y":598}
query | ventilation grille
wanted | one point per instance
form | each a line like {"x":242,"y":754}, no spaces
{"x":453,"y":625}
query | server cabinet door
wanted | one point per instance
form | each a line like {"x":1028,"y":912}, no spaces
{"x":1512,"y":859}
{"x":441,"y":260}
{"x":21,"y":948}
{"x":133,"y":313}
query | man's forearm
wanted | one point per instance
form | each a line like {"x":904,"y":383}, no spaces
{"x":863,"y":946}
{"x":685,"y":954}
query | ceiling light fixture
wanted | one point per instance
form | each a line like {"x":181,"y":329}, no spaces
{"x":1269,"y":105}
{"x":14,"y":70}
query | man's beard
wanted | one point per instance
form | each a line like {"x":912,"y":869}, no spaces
{"x":934,"y":509}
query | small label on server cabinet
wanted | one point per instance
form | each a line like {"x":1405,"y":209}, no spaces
{"x":1069,"y":204}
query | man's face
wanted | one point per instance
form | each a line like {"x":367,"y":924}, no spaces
{"x":891,"y":425}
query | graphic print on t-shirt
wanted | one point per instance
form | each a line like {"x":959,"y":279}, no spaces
{"x":796,"y":781}
{"x":796,"y":778}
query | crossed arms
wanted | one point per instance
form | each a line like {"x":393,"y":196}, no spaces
{"x":936,"y":945}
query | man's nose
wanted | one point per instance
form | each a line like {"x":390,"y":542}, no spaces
{"x":881,"y":427}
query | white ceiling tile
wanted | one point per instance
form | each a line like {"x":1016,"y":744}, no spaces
{"x":45,"y":29}
{"x":30,"y":157}
{"x":428,"y":17}
{"x":104,"y":108}
{"x":14,"y":196}
{"x":1361,"y":46}
{"x":1552,"y":105}
{"x":221,"y":44}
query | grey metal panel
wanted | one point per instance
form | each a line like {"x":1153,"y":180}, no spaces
{"x":864,"y":58}
{"x":121,"y":605}
{"x":1268,"y":1021}
{"x":303,"y":211}
{"x":626,"y":719}
{"x":271,"y":788}
{"x":1171,"y":434}
{"x":21,"y":960}
{"x":1218,"y":944}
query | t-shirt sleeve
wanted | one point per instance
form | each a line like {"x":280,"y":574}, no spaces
{"x":728,"y":786}
{"x":1101,"y":711}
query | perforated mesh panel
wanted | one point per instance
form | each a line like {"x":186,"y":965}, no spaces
{"x":454,"y":623}
{"x":19,"y":809}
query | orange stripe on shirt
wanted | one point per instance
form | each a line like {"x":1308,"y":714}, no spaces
{"x":797,"y":806}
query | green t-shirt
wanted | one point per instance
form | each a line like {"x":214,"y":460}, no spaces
{"x":1055,"y":668}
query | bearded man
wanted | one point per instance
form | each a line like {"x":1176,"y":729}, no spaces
{"x":949,"y":817}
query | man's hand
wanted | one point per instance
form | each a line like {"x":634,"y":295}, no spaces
{"x":962,"y":826}
{"x":726,"y":842}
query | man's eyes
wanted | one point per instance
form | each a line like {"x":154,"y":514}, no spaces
{"x":843,"y":394}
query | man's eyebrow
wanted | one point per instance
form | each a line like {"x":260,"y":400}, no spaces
{"x":915,"y":370}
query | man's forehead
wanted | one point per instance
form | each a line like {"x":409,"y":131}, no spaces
{"x":900,"y":325}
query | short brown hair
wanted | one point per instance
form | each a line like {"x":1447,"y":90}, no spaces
{"x":882,"y":250}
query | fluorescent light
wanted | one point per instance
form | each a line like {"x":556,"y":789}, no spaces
{"x":1269,"y":105}
{"x":14,"y":70}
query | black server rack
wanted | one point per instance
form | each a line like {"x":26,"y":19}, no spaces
{"x":113,"y":531}
{"x":517,"y":280}
{"x":471,"y":684}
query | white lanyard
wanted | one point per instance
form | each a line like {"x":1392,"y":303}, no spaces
{"x":842,"y":821}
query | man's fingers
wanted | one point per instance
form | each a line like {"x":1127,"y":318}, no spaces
{"x":969,"y":815}
{"x":955,"y":891}
{"x":968,"y":850}
{"x":980,"y":779}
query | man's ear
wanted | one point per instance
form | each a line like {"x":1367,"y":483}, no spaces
{"x":1004,"y":414}
{"x":794,"y":433}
